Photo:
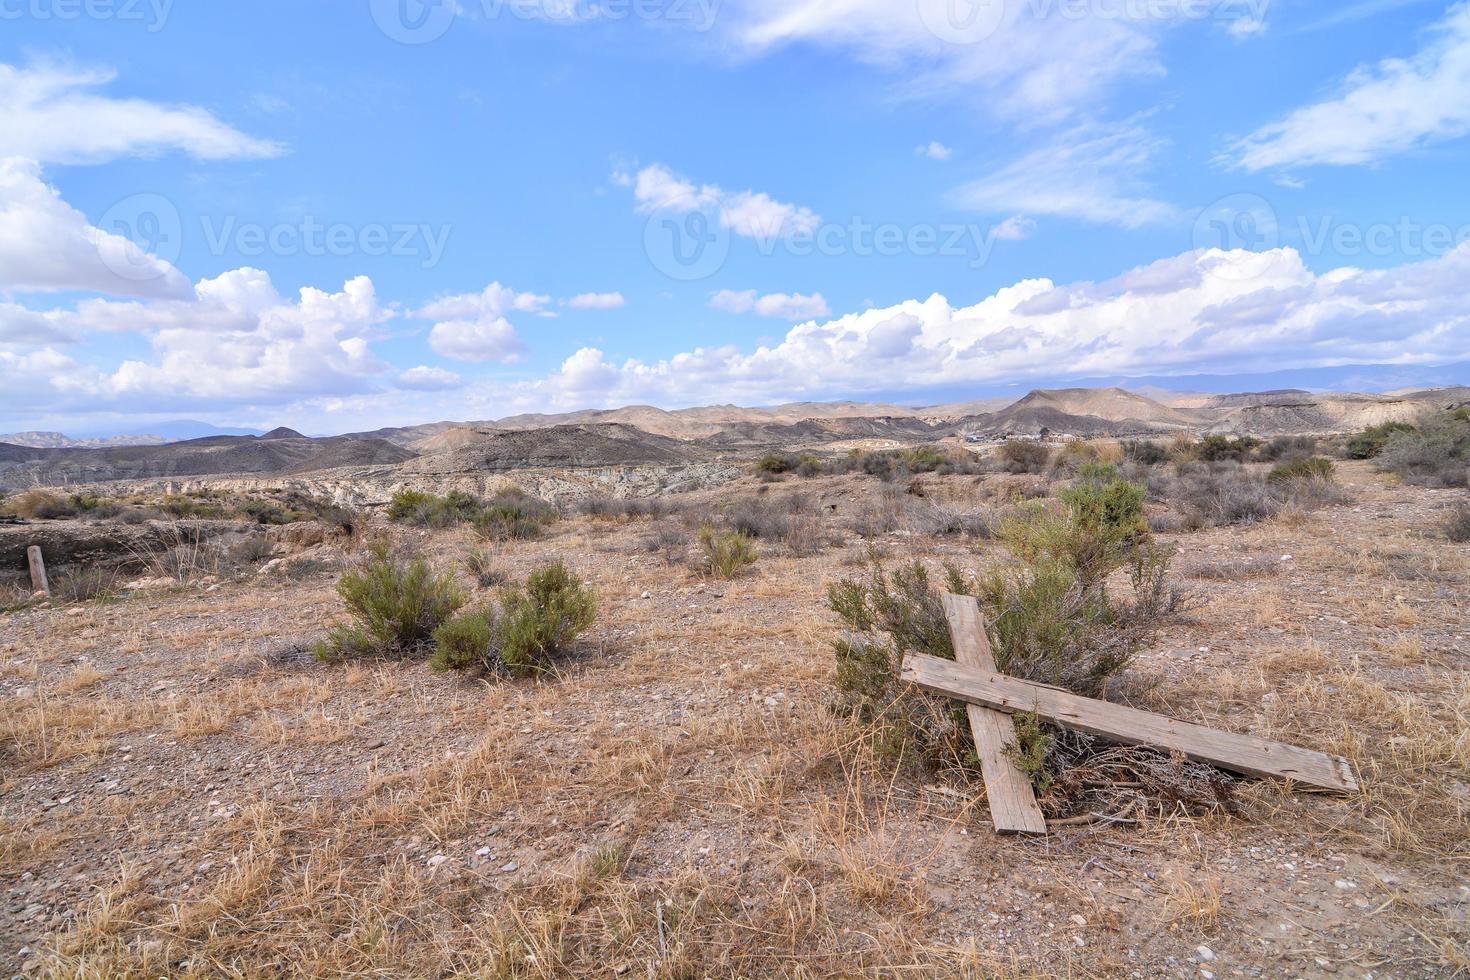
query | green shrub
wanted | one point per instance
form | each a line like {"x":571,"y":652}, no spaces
{"x":190,"y":506}
{"x":395,"y":607}
{"x":534,"y":625}
{"x":1220,"y":448}
{"x":726,"y":553}
{"x":1020,"y":456}
{"x":513,"y":515}
{"x":1310,"y":468}
{"x":1434,"y":454}
{"x":1145,"y":452}
{"x":1372,"y":440}
{"x":777,"y":463}
{"x":1101,"y":526}
{"x":1288,"y":447}
{"x":465,"y":642}
{"x":1049,"y":613}
{"x":539,"y":622}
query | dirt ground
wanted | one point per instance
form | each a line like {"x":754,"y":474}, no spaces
{"x":185,"y":792}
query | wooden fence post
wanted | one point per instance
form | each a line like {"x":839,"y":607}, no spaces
{"x":38,"y":570}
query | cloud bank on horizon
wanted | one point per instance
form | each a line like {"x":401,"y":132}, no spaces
{"x":99,"y":317}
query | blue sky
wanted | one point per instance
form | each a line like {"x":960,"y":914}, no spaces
{"x":339,"y":215}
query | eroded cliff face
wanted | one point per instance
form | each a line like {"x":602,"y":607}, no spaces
{"x":375,"y":486}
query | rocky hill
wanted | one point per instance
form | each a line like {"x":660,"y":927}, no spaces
{"x":283,"y":451}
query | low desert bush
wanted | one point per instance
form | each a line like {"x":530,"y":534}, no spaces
{"x":612,"y":509}
{"x":1220,"y":494}
{"x":252,"y":551}
{"x":897,"y":464}
{"x":534,"y":624}
{"x":668,"y":539}
{"x":1227,"y":569}
{"x":395,"y":606}
{"x":1436,"y":453}
{"x":1023,"y":456}
{"x":420,"y":509}
{"x":465,"y":642}
{"x":1145,"y":452}
{"x":1307,"y":468}
{"x":1287,"y":448}
{"x":481,"y":564}
{"x":41,"y":505}
{"x":1457,"y":525}
{"x":1050,"y":615}
{"x":86,"y":585}
{"x":539,"y":622}
{"x":775,"y":462}
{"x":513,"y":514}
{"x":724,"y":554}
{"x":1218,"y":448}
{"x":1372,"y":440}
{"x":876,"y":517}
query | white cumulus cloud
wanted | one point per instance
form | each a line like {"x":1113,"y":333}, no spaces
{"x":474,"y":326}
{"x":1202,"y":311}
{"x":58,"y":114}
{"x":787,"y":306}
{"x":47,"y":245}
{"x":597,"y":301}
{"x":425,"y":378}
{"x":1381,"y":110}
{"x":752,"y":214}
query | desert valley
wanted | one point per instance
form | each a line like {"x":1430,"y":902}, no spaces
{"x":616,"y":693}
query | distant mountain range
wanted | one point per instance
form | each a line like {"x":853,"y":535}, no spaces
{"x":644,"y":435}
{"x":157,"y":434}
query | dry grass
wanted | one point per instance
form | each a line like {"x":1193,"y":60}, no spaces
{"x":677,"y":803}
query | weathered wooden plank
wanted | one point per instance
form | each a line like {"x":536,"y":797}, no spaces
{"x":1241,"y":753}
{"x":1013,"y":807}
{"x":39,"y":583}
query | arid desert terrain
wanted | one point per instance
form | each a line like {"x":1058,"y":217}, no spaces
{"x":214,"y":763}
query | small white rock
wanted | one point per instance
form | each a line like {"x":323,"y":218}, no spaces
{"x":1205,"y":953}
{"x":437,"y":860}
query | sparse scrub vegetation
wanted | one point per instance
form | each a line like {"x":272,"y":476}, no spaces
{"x":1308,"y":468}
{"x":511,"y":514}
{"x":725,"y":554}
{"x":1457,"y":524}
{"x":483,"y":567}
{"x":1372,"y":440}
{"x":85,"y":585}
{"x":395,"y":606}
{"x":533,"y":625}
{"x":1023,"y":456}
{"x":1217,"y":448}
{"x":1048,"y":610}
{"x":1435,"y":453}
{"x":1288,"y":447}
